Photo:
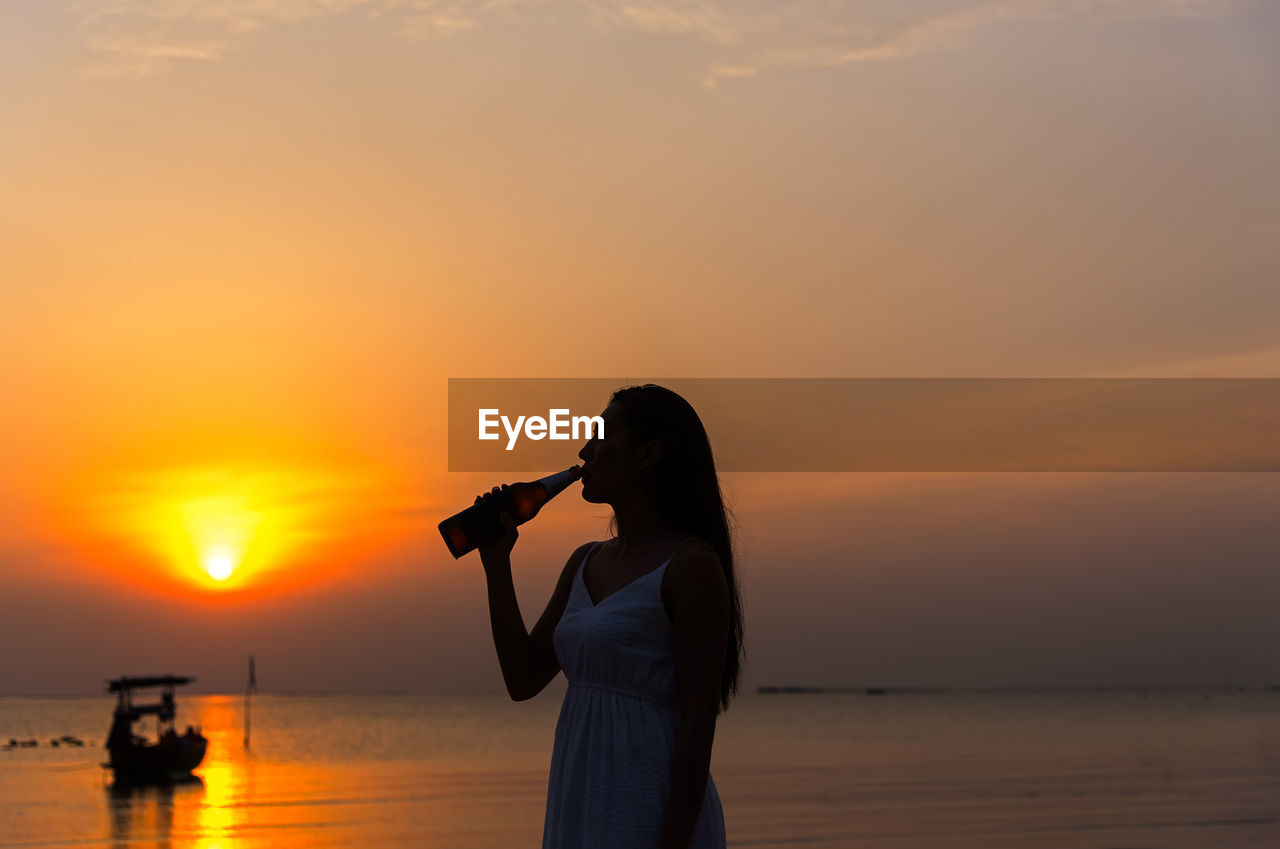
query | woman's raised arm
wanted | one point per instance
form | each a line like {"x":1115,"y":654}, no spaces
{"x":528,"y":661}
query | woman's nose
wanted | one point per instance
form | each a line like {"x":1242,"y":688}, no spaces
{"x":585,"y":453}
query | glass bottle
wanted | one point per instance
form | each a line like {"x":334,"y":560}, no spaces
{"x":479,"y":523}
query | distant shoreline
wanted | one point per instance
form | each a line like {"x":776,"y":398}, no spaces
{"x":789,"y":689}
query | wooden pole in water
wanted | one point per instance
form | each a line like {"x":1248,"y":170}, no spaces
{"x":248,"y":689}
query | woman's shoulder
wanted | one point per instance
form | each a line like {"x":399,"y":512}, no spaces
{"x":695,"y":568}
{"x":695,"y":549}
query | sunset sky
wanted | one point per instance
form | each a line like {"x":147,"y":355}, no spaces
{"x":245,"y":243}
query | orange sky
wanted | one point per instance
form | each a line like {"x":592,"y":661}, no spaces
{"x":244,"y":249}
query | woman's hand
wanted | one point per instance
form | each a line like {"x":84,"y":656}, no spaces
{"x":497,"y":552}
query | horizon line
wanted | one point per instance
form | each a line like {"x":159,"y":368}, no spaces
{"x":764,"y":689}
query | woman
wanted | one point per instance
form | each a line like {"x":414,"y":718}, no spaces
{"x":651,"y":646}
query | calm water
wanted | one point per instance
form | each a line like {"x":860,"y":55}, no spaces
{"x":1098,"y":770}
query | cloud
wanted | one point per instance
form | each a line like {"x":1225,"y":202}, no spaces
{"x":702,"y":21}
{"x":1251,"y":362}
{"x":859,"y":35}
{"x":136,"y":38}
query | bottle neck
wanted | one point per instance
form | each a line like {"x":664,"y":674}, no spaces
{"x":557,"y":483}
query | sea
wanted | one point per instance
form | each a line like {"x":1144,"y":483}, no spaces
{"x":1126,"y":769}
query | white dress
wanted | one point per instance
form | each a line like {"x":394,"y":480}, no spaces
{"x":611,"y":763}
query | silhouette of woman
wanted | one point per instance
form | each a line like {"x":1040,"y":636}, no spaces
{"x":652,"y":655}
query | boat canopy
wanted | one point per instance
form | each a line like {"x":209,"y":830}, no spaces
{"x":126,"y":683}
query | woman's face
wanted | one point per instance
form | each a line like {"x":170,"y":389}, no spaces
{"x":611,"y":465}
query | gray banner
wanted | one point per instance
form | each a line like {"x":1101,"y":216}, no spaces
{"x":899,"y":424}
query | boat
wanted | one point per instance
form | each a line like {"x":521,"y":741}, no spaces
{"x":168,"y":759}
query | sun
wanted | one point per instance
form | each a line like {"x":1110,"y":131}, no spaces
{"x":228,"y":533}
{"x":219,"y":565}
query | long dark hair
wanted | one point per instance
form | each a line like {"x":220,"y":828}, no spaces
{"x":688,"y":492}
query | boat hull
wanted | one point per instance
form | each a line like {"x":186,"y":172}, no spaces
{"x":157,"y":763}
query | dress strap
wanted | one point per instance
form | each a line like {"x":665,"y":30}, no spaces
{"x":677,"y":548}
{"x":582,"y":567}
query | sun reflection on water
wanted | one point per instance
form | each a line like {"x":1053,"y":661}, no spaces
{"x":327,"y":773}
{"x":219,"y":816}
